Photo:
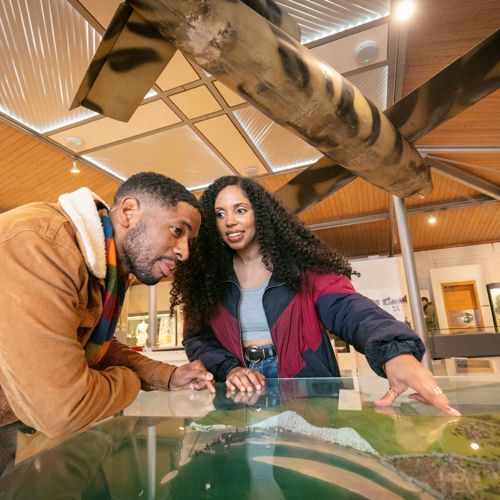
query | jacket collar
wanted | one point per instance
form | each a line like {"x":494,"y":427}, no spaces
{"x":230,"y":276}
{"x":81,"y":209}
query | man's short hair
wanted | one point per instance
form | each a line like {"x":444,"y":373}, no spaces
{"x":156,"y":189}
{"x":425,"y":298}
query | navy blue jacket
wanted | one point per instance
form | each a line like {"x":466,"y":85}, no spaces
{"x":298,"y":322}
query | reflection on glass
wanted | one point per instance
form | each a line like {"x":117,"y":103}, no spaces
{"x":295,"y":440}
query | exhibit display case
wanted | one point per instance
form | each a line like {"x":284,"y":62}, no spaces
{"x":138,"y":333}
{"x":302,"y":438}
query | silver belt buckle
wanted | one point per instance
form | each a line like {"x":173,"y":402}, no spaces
{"x":249,"y":350}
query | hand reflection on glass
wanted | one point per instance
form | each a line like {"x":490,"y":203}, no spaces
{"x":246,"y":398}
{"x":196,"y":404}
{"x":414,"y":433}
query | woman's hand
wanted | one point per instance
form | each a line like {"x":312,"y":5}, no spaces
{"x":405,"y":371}
{"x":245,"y":380}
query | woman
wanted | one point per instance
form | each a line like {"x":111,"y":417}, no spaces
{"x":260,"y":292}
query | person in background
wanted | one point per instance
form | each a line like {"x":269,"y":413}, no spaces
{"x":64,"y":274}
{"x":431,"y":319}
{"x":261,"y":292}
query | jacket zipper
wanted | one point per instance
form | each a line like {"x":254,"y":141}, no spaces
{"x":239,"y":324}
{"x":270,"y":331}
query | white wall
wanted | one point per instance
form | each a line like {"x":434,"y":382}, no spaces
{"x":380,"y":279}
{"x":477,"y":262}
{"x":487,"y":256}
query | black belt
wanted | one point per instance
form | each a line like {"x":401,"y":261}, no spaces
{"x":259,"y":352}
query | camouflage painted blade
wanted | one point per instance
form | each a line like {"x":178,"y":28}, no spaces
{"x":314,"y":184}
{"x":458,"y":86}
{"x":132,"y":55}
{"x":129,"y":59}
{"x":289,"y":84}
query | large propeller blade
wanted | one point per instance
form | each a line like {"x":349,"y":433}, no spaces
{"x":132,"y":55}
{"x":129,"y":59}
{"x":461,"y":84}
{"x":286,"y":81}
{"x":313,"y":185}
{"x":464,"y":82}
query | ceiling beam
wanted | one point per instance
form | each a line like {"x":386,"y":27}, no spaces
{"x":423,"y":149}
{"x":457,"y":174}
{"x":418,"y":210}
{"x":348,"y":32}
{"x":46,"y":140}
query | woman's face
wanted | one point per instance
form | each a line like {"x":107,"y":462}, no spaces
{"x":235,"y":219}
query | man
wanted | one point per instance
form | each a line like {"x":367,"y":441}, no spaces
{"x":64,"y":272}
{"x":430,"y":315}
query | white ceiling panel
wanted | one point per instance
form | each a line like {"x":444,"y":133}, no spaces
{"x":178,"y":153}
{"x":178,"y":72}
{"x":196,"y":102}
{"x":231,"y":98}
{"x":373,"y":84}
{"x":46,"y":49}
{"x":320,"y":18}
{"x":224,"y":136}
{"x":281,"y":149}
{"x":148,"y":117}
{"x":341,"y":54}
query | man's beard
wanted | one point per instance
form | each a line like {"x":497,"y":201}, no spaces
{"x":137,"y":254}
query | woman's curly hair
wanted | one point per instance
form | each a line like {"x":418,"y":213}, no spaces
{"x":287,"y":247}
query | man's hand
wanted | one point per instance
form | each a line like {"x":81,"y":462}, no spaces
{"x":405,"y":371}
{"x":245,"y":379}
{"x":192,"y":376}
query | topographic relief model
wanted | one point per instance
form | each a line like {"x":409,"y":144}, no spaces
{"x":356,"y":455}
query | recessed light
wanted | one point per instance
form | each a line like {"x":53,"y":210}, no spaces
{"x":74,"y":168}
{"x":432,"y":220}
{"x":251,"y":171}
{"x":76,"y":142}
{"x":405,"y":9}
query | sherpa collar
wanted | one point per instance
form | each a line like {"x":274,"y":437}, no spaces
{"x":81,"y":209}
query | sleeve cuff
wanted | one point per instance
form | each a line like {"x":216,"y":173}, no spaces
{"x":225,"y":368}
{"x":379,"y":355}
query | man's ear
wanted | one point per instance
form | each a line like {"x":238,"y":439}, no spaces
{"x":128,"y":211}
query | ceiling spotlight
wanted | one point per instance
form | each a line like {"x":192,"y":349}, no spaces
{"x":74,"y":168}
{"x":366,"y":52}
{"x":432,"y":219}
{"x":251,"y":171}
{"x":405,"y":9}
{"x":73,"y":141}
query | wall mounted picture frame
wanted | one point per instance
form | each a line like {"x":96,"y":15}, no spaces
{"x":494,"y":298}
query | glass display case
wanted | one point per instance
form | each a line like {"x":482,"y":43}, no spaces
{"x":138,"y":332}
{"x":300,"y":438}
{"x":494,"y":298}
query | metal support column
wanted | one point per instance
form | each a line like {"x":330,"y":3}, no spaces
{"x":411,"y":276}
{"x":153,"y":313}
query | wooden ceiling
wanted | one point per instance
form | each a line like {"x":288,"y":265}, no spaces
{"x":32,"y":170}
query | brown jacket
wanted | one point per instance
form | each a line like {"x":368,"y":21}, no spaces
{"x":50,"y":304}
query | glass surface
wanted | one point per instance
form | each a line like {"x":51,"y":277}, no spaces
{"x":303,"y":438}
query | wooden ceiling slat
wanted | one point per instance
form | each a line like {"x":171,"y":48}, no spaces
{"x":440,"y":33}
{"x":31,"y":170}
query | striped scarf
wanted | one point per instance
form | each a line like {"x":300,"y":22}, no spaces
{"x":113,"y":294}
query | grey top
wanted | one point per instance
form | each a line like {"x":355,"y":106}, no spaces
{"x":252,"y":316}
